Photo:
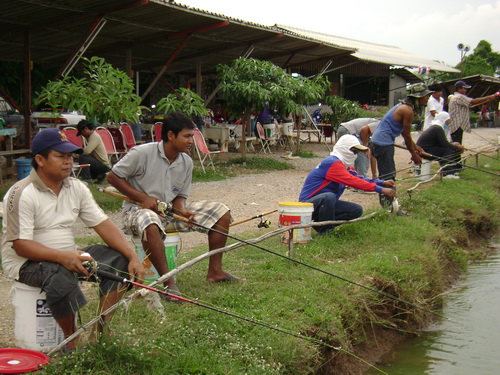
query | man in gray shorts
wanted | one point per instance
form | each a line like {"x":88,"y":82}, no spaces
{"x":38,"y":246}
{"x":162,"y":171}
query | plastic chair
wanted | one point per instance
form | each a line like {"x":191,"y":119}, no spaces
{"x":109,"y":144}
{"x":156,"y":131}
{"x":72,"y":134}
{"x":129,"y":136}
{"x":264,"y":142}
{"x":288,"y":134}
{"x":204,"y":154}
{"x":118,"y":138}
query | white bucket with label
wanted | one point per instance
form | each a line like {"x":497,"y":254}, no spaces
{"x":293,"y":213}
{"x":35,"y":328}
{"x":171,"y":243}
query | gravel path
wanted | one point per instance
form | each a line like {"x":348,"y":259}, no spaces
{"x":247,"y":196}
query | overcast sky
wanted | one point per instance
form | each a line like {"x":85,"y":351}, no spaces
{"x":429,"y":28}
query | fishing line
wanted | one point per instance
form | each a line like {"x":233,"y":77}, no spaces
{"x":111,"y":276}
{"x":181,"y":218}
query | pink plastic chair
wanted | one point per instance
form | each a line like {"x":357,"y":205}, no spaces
{"x":204,"y":154}
{"x":109,"y":144}
{"x":129,"y":136}
{"x":156,"y":131}
{"x":71,"y":134}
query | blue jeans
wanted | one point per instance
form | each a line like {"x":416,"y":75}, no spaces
{"x":386,"y":168}
{"x":327,"y":207}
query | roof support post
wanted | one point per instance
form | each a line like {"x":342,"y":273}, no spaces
{"x":27,"y":90}
{"x":94,"y":30}
{"x":165,"y":67}
{"x":246,"y":54}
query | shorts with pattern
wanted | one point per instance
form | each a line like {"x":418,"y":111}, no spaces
{"x":137,"y":219}
{"x":64,"y":296}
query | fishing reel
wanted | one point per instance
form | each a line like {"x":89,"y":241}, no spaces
{"x":164,"y":208}
{"x":90,"y":266}
{"x":264,"y":224}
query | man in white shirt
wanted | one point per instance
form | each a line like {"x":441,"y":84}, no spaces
{"x":434,"y":105}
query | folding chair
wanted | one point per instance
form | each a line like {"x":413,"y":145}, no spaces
{"x":264,"y":142}
{"x":118,"y":138}
{"x":109,"y":144}
{"x":72,"y":135}
{"x":202,"y":150}
{"x":156,"y":131}
{"x":129,"y":136}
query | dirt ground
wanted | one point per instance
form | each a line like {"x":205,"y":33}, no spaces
{"x":250,"y":195}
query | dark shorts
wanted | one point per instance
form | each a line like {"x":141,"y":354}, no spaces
{"x":64,"y":296}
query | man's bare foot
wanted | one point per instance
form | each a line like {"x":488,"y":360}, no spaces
{"x":226,"y":276}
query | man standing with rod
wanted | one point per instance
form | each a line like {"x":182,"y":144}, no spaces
{"x":458,"y":107}
{"x":397,"y":122}
{"x":162,"y":171}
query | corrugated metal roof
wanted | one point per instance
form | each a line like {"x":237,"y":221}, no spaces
{"x":378,"y":53}
{"x":151,"y":31}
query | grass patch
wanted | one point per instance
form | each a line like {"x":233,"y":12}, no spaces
{"x":406,"y":256}
{"x":259,"y":164}
{"x":306,"y":155}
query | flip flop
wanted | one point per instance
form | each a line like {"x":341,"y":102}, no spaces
{"x":229,"y":277}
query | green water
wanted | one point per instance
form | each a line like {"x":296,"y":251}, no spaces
{"x":467,"y":345}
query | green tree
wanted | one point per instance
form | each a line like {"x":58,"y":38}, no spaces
{"x":482,"y":61}
{"x":248,"y":85}
{"x":185,"y":101}
{"x":104,"y":93}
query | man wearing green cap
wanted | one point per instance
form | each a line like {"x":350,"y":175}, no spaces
{"x":398,"y":122}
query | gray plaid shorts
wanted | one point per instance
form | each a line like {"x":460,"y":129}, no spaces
{"x":137,"y":219}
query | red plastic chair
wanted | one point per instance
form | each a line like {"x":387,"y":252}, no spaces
{"x":129,"y":136}
{"x":156,"y":131}
{"x":204,"y":154}
{"x":109,"y":144}
{"x":71,"y":134}
{"x":118,"y":138}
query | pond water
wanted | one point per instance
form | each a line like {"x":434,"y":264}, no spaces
{"x":468,"y":343}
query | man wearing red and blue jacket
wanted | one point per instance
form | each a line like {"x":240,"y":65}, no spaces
{"x":325,"y":184}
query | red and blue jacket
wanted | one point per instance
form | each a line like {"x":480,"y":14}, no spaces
{"x":331,"y":176}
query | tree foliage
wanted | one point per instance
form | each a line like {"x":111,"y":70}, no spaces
{"x":104,"y":93}
{"x":185,"y":101}
{"x":248,"y":85}
{"x":482,"y":61}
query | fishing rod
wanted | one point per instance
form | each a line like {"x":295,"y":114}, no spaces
{"x":446,"y":160}
{"x":254,"y":217}
{"x":164,"y":210}
{"x":123,"y":280}
{"x":93,"y":268}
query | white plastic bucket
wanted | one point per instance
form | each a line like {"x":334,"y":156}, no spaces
{"x":171,"y":243}
{"x":35,"y":328}
{"x":293,"y":213}
{"x":425,"y":169}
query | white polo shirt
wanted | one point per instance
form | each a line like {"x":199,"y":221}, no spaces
{"x":147,"y":169}
{"x":33,"y":212}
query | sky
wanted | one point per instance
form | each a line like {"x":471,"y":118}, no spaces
{"x":429,"y":28}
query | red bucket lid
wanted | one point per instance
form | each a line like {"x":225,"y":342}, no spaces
{"x":18,"y":361}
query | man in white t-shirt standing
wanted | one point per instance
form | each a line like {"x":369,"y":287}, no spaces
{"x":434,"y":105}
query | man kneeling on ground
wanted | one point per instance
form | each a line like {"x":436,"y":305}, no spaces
{"x":326,"y":183}
{"x":38,"y":246}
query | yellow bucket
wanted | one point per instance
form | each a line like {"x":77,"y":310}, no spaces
{"x":293,"y":213}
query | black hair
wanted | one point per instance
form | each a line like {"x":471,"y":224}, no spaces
{"x":44,"y":153}
{"x":436,"y":87}
{"x":85,"y":124}
{"x":175,"y":122}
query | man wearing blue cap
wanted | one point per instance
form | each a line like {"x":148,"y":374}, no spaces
{"x":458,"y":107}
{"x":38,"y":246}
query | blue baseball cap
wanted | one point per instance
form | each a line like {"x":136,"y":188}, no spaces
{"x":55,"y":139}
